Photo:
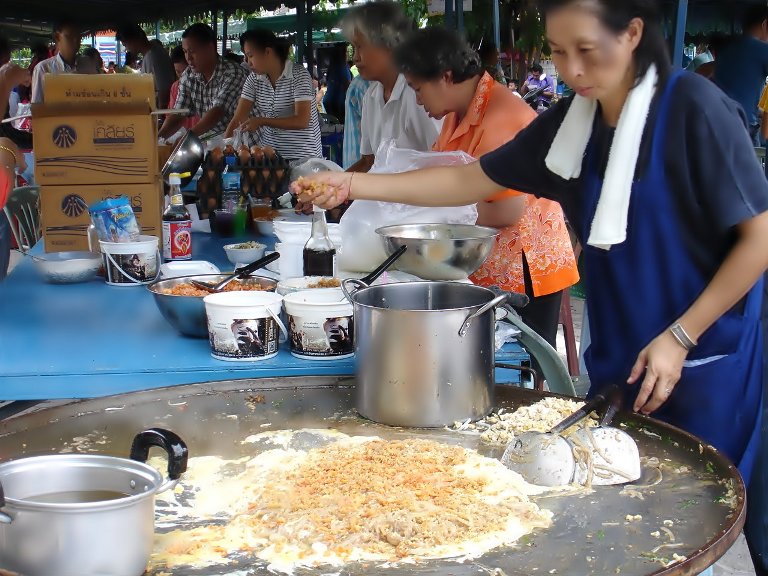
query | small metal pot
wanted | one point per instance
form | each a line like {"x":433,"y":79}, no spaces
{"x":425,"y":351}
{"x":76,"y":514}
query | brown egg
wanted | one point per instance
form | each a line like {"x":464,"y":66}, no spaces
{"x":256,"y":150}
{"x":280,"y":172}
{"x":252,"y":175}
{"x":269,"y":152}
{"x":216,"y":155}
{"x":244,"y":155}
{"x":229,"y":150}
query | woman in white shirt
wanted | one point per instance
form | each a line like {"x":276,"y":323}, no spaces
{"x":277,"y":105}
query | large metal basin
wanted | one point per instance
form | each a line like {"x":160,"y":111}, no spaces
{"x":590,"y":534}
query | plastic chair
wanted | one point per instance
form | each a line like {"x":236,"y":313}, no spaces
{"x":23,"y":212}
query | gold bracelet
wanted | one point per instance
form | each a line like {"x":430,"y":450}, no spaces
{"x":12,"y":153}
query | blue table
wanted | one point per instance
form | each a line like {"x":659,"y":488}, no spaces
{"x":89,"y":340}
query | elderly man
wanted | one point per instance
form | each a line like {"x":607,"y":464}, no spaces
{"x":209,"y":88}
{"x":390,"y":110}
{"x":155,"y":61}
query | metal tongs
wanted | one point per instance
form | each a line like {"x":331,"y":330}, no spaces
{"x":606,"y":455}
{"x":240,"y":274}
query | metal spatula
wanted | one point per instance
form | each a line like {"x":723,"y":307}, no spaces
{"x":241,"y":273}
{"x":548,"y":459}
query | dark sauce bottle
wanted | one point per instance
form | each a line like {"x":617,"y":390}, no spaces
{"x":319,"y":251}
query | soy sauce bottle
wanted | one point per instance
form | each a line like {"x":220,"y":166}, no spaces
{"x":319,"y":251}
{"x":177,"y":224}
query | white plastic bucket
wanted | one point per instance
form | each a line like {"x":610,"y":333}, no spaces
{"x":320,"y":324}
{"x":244,"y":326}
{"x":131,"y":263}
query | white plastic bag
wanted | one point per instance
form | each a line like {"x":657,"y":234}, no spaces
{"x":363,"y":249}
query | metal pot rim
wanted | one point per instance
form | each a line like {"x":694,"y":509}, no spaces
{"x":490,"y":293}
{"x":30,"y":464}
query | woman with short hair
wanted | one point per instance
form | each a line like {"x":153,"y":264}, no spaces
{"x":533,"y":253}
{"x":277,"y":107}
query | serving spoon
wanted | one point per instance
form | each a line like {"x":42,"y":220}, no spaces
{"x":239,"y":273}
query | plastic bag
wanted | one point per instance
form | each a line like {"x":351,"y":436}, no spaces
{"x":312,"y":166}
{"x":362,"y":248}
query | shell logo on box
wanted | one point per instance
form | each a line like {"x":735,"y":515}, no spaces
{"x":64,"y":136}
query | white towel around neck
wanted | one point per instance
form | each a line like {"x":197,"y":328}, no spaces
{"x":565,"y":157}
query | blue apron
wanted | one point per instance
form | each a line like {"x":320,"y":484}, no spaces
{"x":637,"y":289}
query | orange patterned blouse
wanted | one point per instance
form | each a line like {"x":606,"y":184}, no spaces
{"x":494,"y":118}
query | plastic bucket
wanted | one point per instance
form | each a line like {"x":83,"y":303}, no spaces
{"x":131,"y":263}
{"x":320,"y":324}
{"x":244,"y":326}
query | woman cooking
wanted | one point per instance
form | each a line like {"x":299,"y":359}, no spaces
{"x":533,"y":253}
{"x":657,"y":173}
{"x":277,"y":105}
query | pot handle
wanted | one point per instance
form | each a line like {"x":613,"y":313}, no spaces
{"x":4,"y":518}
{"x":357,"y":285}
{"x":173,"y":445}
{"x":495,"y":303}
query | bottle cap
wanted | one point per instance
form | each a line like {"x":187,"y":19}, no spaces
{"x":175,"y":178}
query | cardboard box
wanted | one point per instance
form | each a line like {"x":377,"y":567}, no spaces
{"x":64,"y":216}
{"x":94,"y":88}
{"x":95,"y":144}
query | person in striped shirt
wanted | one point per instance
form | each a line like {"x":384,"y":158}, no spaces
{"x":277,"y":105}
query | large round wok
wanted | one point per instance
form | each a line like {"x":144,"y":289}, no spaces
{"x":700,"y":492}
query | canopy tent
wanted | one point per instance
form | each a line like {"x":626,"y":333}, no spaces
{"x":29,"y":21}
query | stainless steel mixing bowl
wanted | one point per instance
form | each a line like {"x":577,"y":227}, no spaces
{"x":187,"y":156}
{"x":439,"y":251}
{"x":187,"y":313}
{"x":67,"y":267}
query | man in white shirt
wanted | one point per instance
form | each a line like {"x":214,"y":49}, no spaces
{"x":390,"y":110}
{"x":156,"y":60}
{"x":67,"y":38}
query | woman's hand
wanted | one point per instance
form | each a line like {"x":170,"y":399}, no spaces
{"x":252,"y":124}
{"x":662,"y":361}
{"x":327,"y":189}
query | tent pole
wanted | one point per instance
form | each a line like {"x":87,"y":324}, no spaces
{"x":679,"y":38}
{"x":460,"y":15}
{"x":310,"y":40}
{"x":301,"y":33}
{"x":496,"y":24}
{"x":215,"y":22}
{"x":450,"y":19}
{"x":224,"y":19}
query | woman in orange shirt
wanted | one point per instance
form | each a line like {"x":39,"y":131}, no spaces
{"x":533,"y":253}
